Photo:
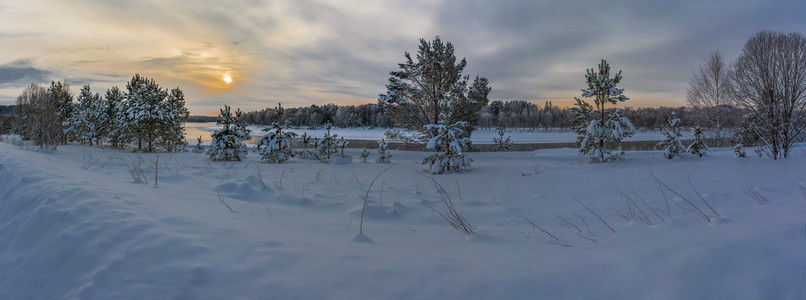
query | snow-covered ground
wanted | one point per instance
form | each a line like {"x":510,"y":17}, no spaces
{"x":74,"y":224}
{"x":481,"y":136}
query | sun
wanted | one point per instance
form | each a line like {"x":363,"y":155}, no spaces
{"x":227,"y":78}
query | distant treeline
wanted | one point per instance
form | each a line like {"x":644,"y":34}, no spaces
{"x":8,"y":109}
{"x":510,"y":114}
{"x":365,"y":115}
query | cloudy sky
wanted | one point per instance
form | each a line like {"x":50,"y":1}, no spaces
{"x":304,"y":52}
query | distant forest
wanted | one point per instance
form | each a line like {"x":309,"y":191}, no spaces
{"x":510,"y":114}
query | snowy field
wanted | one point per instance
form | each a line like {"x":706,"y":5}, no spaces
{"x":78,"y":224}
{"x":481,"y":136}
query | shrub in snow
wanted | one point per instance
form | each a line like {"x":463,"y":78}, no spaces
{"x":199,"y":148}
{"x":383,"y":155}
{"x":672,"y":143}
{"x":739,"y":150}
{"x":305,"y":140}
{"x":364,"y":154}
{"x":698,"y":147}
{"x":326,"y":147}
{"x":448,"y":140}
{"x":599,"y":130}
{"x":227,"y":142}
{"x":501,"y":144}
{"x":275,"y":146}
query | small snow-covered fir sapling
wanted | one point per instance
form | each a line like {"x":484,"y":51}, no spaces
{"x":275,"y":146}
{"x":364,"y":154}
{"x":698,"y":147}
{"x":600,"y":130}
{"x":384,"y":156}
{"x":672,"y":144}
{"x":199,"y":148}
{"x":327,"y":145}
{"x":227,"y":143}
{"x":501,"y":144}
{"x":342,"y":143}
{"x":305,"y":140}
{"x":448,"y":138}
{"x":739,"y":150}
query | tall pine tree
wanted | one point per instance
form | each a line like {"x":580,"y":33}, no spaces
{"x":415,"y":92}
{"x":599,"y":129}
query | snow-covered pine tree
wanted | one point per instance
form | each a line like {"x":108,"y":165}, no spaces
{"x":698,"y":147}
{"x":501,"y":144}
{"x":384,"y":156}
{"x":449,"y":142}
{"x":275,"y":146}
{"x":60,"y":92}
{"x":86,"y":122}
{"x":227,"y":142}
{"x":305,"y":140}
{"x":146,"y":113}
{"x":327,"y":145}
{"x":415,"y":91}
{"x":601,"y":130}
{"x":115,"y":119}
{"x":672,"y":143}
{"x":738,"y":149}
{"x":342,"y":143}
{"x":172,"y":136}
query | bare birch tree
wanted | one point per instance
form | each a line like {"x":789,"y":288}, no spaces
{"x":38,"y":116}
{"x":770,"y":81}
{"x":710,"y":90}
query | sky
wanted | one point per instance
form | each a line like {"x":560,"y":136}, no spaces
{"x":304,"y":52}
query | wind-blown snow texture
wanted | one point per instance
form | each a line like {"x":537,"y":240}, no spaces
{"x":72,"y":227}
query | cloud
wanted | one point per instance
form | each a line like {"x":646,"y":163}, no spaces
{"x":22,"y":72}
{"x":306,"y":52}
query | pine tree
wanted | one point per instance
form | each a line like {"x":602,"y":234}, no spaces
{"x":172,"y":136}
{"x":146,"y":112}
{"x":326,"y":147}
{"x":305,"y":140}
{"x":342,"y":143}
{"x":85,"y":123}
{"x":60,"y":93}
{"x":199,"y":148}
{"x":601,"y":130}
{"x":275,"y":146}
{"x":414,"y":93}
{"x":501,"y":144}
{"x":672,"y":144}
{"x":384,"y":156}
{"x":698,"y":147}
{"x":227,"y":143}
{"x":449,"y":142}
{"x":738,"y":149}
{"x":113,"y":125}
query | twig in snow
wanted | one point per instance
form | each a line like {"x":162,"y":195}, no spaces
{"x":538,"y":227}
{"x":221,"y":198}
{"x":595,"y":214}
{"x":366,"y":198}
